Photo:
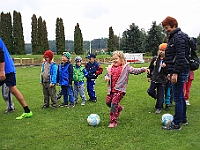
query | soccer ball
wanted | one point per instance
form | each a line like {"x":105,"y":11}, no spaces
{"x":166,"y":119}
{"x":93,"y":119}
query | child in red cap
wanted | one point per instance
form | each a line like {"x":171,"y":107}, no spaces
{"x":48,"y":79}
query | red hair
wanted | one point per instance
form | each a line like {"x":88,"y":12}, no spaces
{"x":170,"y":21}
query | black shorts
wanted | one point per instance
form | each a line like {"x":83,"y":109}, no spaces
{"x":10,"y":79}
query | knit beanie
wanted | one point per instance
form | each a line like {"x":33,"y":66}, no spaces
{"x":67,"y":54}
{"x":163,"y":46}
{"x":49,"y":54}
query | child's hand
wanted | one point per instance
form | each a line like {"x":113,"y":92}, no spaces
{"x":163,"y":65}
{"x":148,"y":79}
{"x":107,"y":79}
{"x":51,"y":84}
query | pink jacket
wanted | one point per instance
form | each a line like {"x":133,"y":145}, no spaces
{"x":123,"y":79}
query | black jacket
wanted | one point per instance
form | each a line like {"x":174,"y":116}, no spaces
{"x":156,"y":75}
{"x":177,"y":52}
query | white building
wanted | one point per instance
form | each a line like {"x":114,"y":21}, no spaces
{"x":134,"y":57}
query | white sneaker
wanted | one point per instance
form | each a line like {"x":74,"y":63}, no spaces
{"x":187,"y":102}
{"x":83,"y":103}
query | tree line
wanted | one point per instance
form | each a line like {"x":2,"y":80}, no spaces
{"x":132,"y":40}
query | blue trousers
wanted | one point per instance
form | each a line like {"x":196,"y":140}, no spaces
{"x":67,"y":91}
{"x":180,"y":104}
{"x":91,"y":90}
{"x":167,"y":93}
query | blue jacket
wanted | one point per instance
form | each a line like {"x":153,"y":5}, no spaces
{"x":5,"y":56}
{"x":91,"y":69}
{"x":177,"y":52}
{"x":65,"y":74}
{"x":52,"y":73}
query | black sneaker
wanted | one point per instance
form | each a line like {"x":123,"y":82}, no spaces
{"x":167,"y":107}
{"x":45,"y":106}
{"x":63,"y":105}
{"x":172,"y":126}
{"x":184,"y":122}
{"x":9,"y":111}
{"x":54,"y":106}
{"x":71,"y":105}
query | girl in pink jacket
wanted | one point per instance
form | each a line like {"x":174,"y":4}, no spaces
{"x":117,"y":78}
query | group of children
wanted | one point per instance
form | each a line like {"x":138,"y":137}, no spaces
{"x":70,"y":77}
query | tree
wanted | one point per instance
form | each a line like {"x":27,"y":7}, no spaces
{"x":6,"y":31}
{"x":111,"y":41}
{"x":78,"y":41}
{"x":34,"y":34}
{"x":42,"y":40}
{"x":154,"y":38}
{"x":60,"y":36}
{"x":18,"y":36}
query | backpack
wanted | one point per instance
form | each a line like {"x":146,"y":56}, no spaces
{"x":193,"y":58}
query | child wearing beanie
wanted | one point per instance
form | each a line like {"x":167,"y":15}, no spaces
{"x":48,"y":79}
{"x":157,"y":75}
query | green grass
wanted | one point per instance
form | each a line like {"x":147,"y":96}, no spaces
{"x":139,"y":128}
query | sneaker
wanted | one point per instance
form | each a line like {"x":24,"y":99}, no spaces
{"x":187,"y":103}
{"x":112,"y":125}
{"x":94,"y":100}
{"x":167,"y":107}
{"x":83,"y":103}
{"x":9,"y":111}
{"x":45,"y":106}
{"x":63,"y":105}
{"x":54,"y":107}
{"x":184,"y":122}
{"x":25,"y":115}
{"x":172,"y":126}
{"x":71,"y":105}
{"x":158,"y":111}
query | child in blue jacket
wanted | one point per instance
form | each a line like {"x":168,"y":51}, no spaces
{"x":48,"y":79}
{"x":64,"y":78}
{"x":94,"y":69}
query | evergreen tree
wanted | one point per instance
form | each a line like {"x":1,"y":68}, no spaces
{"x":133,"y":39}
{"x":6,"y":31}
{"x":111,"y":41}
{"x":60,"y":36}
{"x":34,"y":34}
{"x":18,"y":37}
{"x":42,"y":41}
{"x":154,"y":38}
{"x":78,"y":41}
{"x":45,"y":44}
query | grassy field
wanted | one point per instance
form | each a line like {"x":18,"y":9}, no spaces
{"x":139,"y":128}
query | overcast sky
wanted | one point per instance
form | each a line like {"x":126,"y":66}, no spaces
{"x":96,"y":16}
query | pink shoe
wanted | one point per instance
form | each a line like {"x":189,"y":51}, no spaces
{"x":112,"y":125}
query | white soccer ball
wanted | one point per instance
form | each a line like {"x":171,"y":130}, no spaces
{"x":166,"y":119}
{"x":93,"y":119}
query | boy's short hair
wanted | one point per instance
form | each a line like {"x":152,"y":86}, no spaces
{"x":170,"y":21}
{"x":91,"y":56}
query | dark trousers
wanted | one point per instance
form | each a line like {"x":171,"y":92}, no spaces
{"x":156,"y":91}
